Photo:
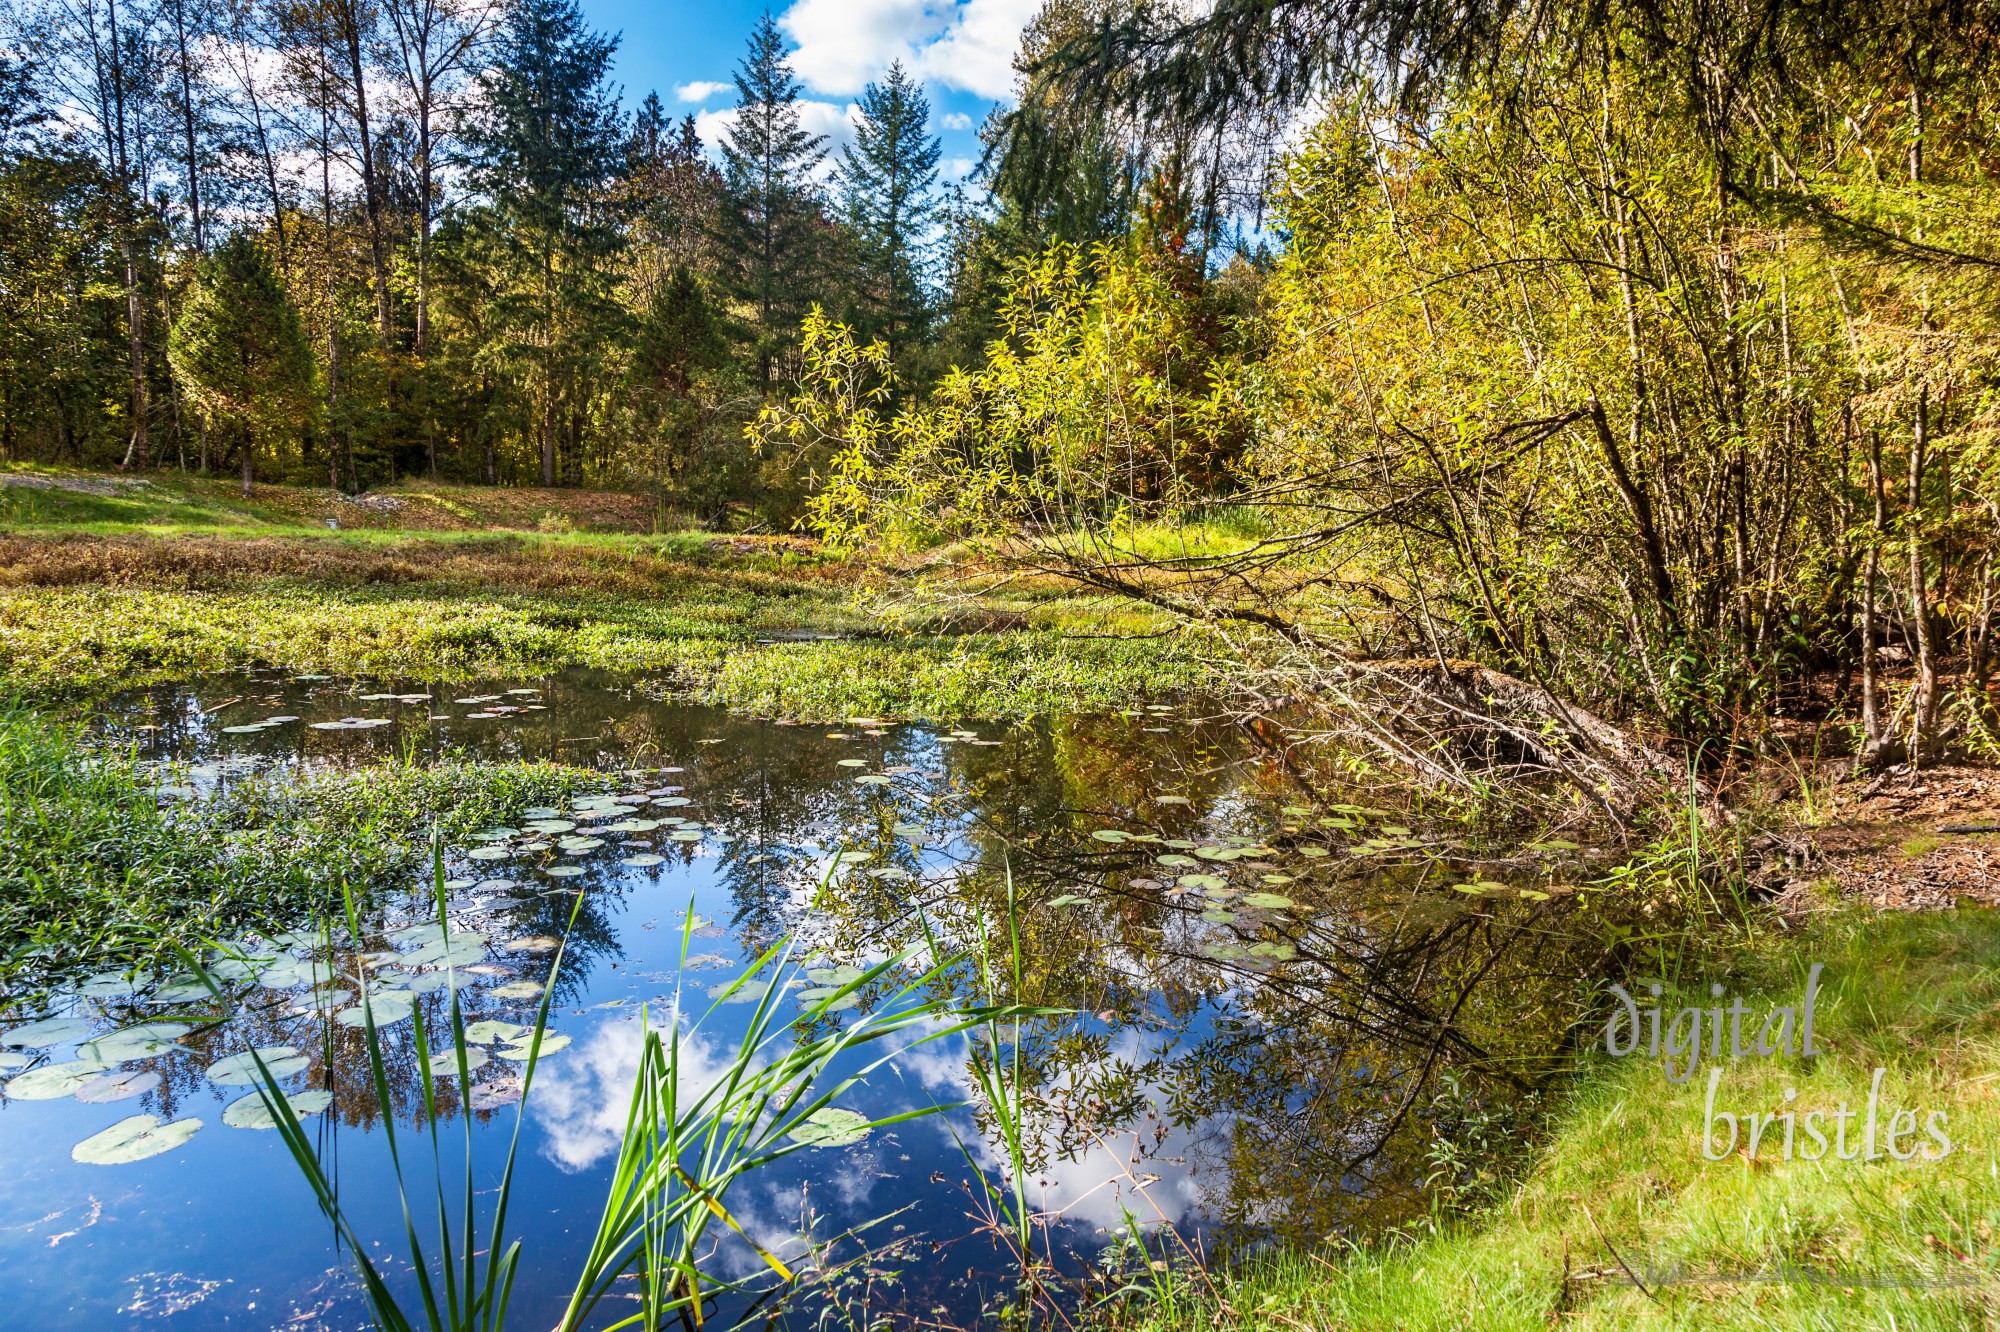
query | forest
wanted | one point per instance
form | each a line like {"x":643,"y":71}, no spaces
{"x":357,"y":242}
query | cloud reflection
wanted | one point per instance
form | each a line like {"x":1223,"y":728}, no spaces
{"x":586,"y":1098}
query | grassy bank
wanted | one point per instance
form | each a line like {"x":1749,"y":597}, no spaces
{"x":1622,"y":1223}
{"x":768,"y":626}
{"x":98,"y":864}
{"x":69,"y":499}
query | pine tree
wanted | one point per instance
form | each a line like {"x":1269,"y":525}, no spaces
{"x":772,"y":220}
{"x":238,"y":350}
{"x":888,"y":186}
{"x":543,"y":151}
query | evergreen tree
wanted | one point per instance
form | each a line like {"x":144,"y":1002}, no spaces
{"x":543,"y":151}
{"x":772,"y":222}
{"x":238,"y":351}
{"x":888,"y":185}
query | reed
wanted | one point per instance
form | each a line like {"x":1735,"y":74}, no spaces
{"x":683,"y":1148}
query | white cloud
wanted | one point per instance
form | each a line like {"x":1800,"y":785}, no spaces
{"x":700,"y":90}
{"x":976,"y":54}
{"x":843,"y":44}
{"x":955,"y":120}
{"x":964,"y":44}
{"x":957,"y":168}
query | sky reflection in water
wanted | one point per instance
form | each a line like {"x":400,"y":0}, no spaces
{"x":1240,"y":1072}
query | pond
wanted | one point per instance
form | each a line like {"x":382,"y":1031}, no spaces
{"x":1279,"y":1015}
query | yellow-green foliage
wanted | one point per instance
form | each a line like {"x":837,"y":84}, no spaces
{"x":1620,"y":1181}
{"x":1116,"y":391}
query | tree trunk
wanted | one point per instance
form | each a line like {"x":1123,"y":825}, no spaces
{"x":371,"y":194}
{"x":187,"y":127}
{"x":548,"y":445}
{"x":249,"y":474}
{"x":137,"y":452}
{"x":1873,"y":741}
{"x":1923,"y":704}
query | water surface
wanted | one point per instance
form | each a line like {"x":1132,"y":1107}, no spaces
{"x":1279,"y":1007}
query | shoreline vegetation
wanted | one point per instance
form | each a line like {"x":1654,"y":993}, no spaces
{"x":1616,"y":1219}
{"x":99,"y":867}
{"x":100,"y":595}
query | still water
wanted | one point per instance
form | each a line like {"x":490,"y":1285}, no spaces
{"x":1275,"y":1008}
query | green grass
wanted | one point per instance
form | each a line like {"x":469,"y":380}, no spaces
{"x":94,"y":867}
{"x":1620,"y":1182}
{"x":92,"y":640}
{"x":88,"y":607}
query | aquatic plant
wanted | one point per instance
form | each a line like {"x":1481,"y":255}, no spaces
{"x":681,"y":1151}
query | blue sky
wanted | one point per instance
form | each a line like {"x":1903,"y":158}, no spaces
{"x":687,"y":53}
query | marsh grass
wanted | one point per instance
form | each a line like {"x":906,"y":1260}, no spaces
{"x":96,"y":866}
{"x":1619,"y":1222}
{"x":704,"y":645}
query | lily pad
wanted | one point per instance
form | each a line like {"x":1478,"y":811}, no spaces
{"x":488,"y":853}
{"x":134,"y":1139}
{"x":852,"y":763}
{"x":52,"y":1082}
{"x":250,"y":1112}
{"x":48,"y":1031}
{"x":872,"y":779}
{"x":240,"y":1070}
{"x":840,"y":975}
{"x":534,"y":943}
{"x":1313,"y":852}
{"x":1266,"y":901}
{"x":552,"y":825}
{"x":645,"y":860}
{"x":1108,"y":835}
{"x":488,"y":1031}
{"x":521,"y":989}
{"x":494,"y":1095}
{"x":685,"y":835}
{"x":119,"y":1085}
{"x":389,"y":1007}
{"x":831,"y":1127}
{"x":1219,"y":917}
{"x":458,"y":951}
{"x":1068,"y":899}
{"x":141,"y":1042}
{"x":550,"y":1043}
{"x":563,"y":871}
{"x":444,"y":1064}
{"x":748,"y":992}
